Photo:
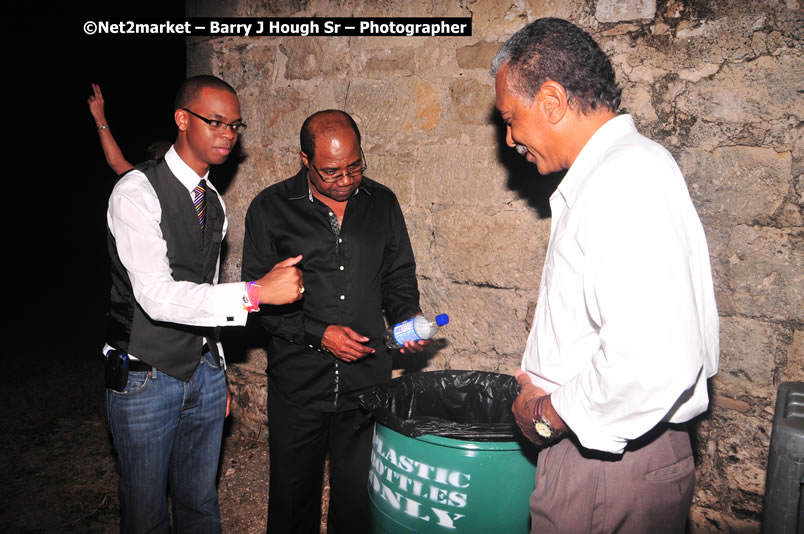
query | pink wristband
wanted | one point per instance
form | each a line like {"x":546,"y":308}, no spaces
{"x":253,"y":297}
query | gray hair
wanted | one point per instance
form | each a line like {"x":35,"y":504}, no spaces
{"x":554,"y":49}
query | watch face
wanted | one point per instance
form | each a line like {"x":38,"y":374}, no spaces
{"x":543,"y":429}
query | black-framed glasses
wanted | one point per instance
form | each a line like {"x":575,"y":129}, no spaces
{"x":237,"y":127}
{"x":352,"y":171}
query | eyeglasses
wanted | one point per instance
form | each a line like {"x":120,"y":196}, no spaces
{"x":237,"y":127}
{"x":352,"y":171}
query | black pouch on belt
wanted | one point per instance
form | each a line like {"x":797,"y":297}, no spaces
{"x":116,"y":370}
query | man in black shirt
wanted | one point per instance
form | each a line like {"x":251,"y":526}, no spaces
{"x":357,"y":263}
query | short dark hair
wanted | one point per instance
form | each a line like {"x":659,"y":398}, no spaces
{"x":555,"y":49}
{"x":191,"y":87}
{"x":310,"y":127}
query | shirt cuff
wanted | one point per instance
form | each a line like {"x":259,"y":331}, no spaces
{"x":229,"y":299}
{"x":314,"y":332}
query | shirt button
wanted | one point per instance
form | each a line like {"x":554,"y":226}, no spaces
{"x":330,"y":214}
{"x":343,"y":297}
{"x":341,"y":267}
{"x":340,"y":240}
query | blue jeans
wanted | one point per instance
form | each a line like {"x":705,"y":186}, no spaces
{"x":167,"y":435}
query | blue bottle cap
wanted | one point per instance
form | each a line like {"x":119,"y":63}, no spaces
{"x":442,"y":319}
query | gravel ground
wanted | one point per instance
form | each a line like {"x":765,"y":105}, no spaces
{"x":57,"y":466}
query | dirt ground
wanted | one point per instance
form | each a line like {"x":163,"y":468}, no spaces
{"x":57,"y":467}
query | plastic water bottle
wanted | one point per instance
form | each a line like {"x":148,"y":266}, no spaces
{"x":422,"y":326}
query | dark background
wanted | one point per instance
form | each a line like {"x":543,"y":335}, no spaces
{"x":60,"y":182}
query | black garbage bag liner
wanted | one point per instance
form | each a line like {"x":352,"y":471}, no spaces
{"x":467,"y":405}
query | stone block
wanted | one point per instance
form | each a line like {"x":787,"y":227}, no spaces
{"x":791,"y":214}
{"x":472,"y":101}
{"x":704,"y":135}
{"x":728,"y":403}
{"x":249,"y":67}
{"x":492,"y":361}
{"x":396,"y":170}
{"x":460,"y":175}
{"x":386,"y":62}
{"x":731,"y":458}
{"x":200,"y":52}
{"x":765,"y":272}
{"x":437,"y":57}
{"x":794,"y":370}
{"x":422,"y":238}
{"x":752,"y":91}
{"x":719,"y":239}
{"x":749,"y":352}
{"x":486,"y":247}
{"x":741,"y":184}
{"x":707,"y":521}
{"x":477,"y":55}
{"x":617,"y":10}
{"x":639,"y":66}
{"x":741,"y":445}
{"x":497,"y":21}
{"x":313,"y":57}
{"x":275,"y":116}
{"x":637,"y":100}
{"x":396,"y":105}
{"x":483,"y":320}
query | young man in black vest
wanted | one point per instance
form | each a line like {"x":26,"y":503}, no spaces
{"x":166,"y":223}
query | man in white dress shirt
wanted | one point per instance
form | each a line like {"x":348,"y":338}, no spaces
{"x":166,"y":407}
{"x":625,"y":332}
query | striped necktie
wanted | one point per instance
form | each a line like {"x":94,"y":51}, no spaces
{"x":200,"y":203}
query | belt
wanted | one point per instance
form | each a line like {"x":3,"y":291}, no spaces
{"x":138,"y":366}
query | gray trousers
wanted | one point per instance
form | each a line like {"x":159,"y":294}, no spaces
{"x":647,"y":489}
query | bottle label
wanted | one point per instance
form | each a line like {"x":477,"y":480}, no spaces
{"x":404,"y":331}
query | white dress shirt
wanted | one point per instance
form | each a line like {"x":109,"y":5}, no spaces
{"x":133,"y":217}
{"x":625,"y":331}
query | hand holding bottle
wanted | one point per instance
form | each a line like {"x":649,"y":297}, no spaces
{"x":409,"y":334}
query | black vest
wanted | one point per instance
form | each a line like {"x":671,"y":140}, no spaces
{"x":174,"y":349}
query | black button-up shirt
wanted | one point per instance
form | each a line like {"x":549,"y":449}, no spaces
{"x":351,"y":274}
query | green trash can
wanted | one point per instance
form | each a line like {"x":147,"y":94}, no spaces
{"x":447,"y":456}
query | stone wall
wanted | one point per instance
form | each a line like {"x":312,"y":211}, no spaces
{"x":717,"y":82}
